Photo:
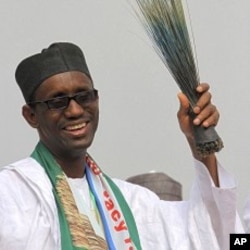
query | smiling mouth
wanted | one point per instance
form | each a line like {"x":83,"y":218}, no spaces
{"x":76,"y":127}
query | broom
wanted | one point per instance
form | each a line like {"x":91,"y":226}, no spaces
{"x":165,"y":24}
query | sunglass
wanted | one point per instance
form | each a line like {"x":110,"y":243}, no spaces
{"x":62,"y":102}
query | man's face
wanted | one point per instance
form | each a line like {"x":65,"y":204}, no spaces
{"x":68,"y":131}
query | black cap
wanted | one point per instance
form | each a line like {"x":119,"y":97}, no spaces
{"x":57,"y":58}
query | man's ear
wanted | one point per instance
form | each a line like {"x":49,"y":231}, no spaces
{"x":30,"y":116}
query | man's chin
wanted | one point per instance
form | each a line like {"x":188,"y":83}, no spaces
{"x":81,"y":144}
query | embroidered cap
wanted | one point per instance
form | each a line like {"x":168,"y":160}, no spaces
{"x":57,"y":58}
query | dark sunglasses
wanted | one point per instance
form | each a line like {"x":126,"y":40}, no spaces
{"x":62,"y":102}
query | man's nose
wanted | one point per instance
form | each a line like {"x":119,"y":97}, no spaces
{"x":74,"y":108}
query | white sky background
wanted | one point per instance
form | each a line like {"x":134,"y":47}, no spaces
{"x":138,"y":129}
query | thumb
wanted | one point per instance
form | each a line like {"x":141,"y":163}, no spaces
{"x":184,"y":104}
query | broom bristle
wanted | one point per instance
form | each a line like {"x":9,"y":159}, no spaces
{"x":165,"y":24}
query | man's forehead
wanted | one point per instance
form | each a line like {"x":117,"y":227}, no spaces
{"x":64,"y":83}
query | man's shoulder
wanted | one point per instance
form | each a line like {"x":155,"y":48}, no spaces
{"x":25,"y":162}
{"x":134,"y":191}
{"x":26,"y":175}
{"x":24,"y":167}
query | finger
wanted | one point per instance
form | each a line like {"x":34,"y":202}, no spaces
{"x":208,"y":116}
{"x":202,"y":87}
{"x":184,"y":104}
{"x":204,"y":100}
{"x":212,"y":120}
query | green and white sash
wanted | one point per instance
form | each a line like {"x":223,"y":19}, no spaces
{"x":76,"y":230}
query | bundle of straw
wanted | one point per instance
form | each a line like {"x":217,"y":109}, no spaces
{"x":165,"y":23}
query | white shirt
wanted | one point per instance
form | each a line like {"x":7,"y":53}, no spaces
{"x":28,"y":213}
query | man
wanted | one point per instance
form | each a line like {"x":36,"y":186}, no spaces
{"x":58,"y":198}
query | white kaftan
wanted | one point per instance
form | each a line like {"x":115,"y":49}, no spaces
{"x":28,"y":213}
{"x":246,"y":215}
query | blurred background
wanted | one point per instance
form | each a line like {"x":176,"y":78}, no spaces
{"x":138,"y":130}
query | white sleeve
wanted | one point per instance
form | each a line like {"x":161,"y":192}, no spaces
{"x":246,"y":215}
{"x":214,"y":208}
{"x":28,"y":217}
{"x":204,"y":222}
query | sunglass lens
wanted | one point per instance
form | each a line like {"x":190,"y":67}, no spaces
{"x":58,"y":103}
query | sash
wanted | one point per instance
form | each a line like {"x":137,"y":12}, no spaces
{"x":76,"y":230}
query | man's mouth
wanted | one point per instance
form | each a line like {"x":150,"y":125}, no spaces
{"x":76,"y":126}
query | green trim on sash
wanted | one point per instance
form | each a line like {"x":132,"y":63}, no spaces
{"x":47,"y":161}
{"x":42,"y":155}
{"x":129,"y":218}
